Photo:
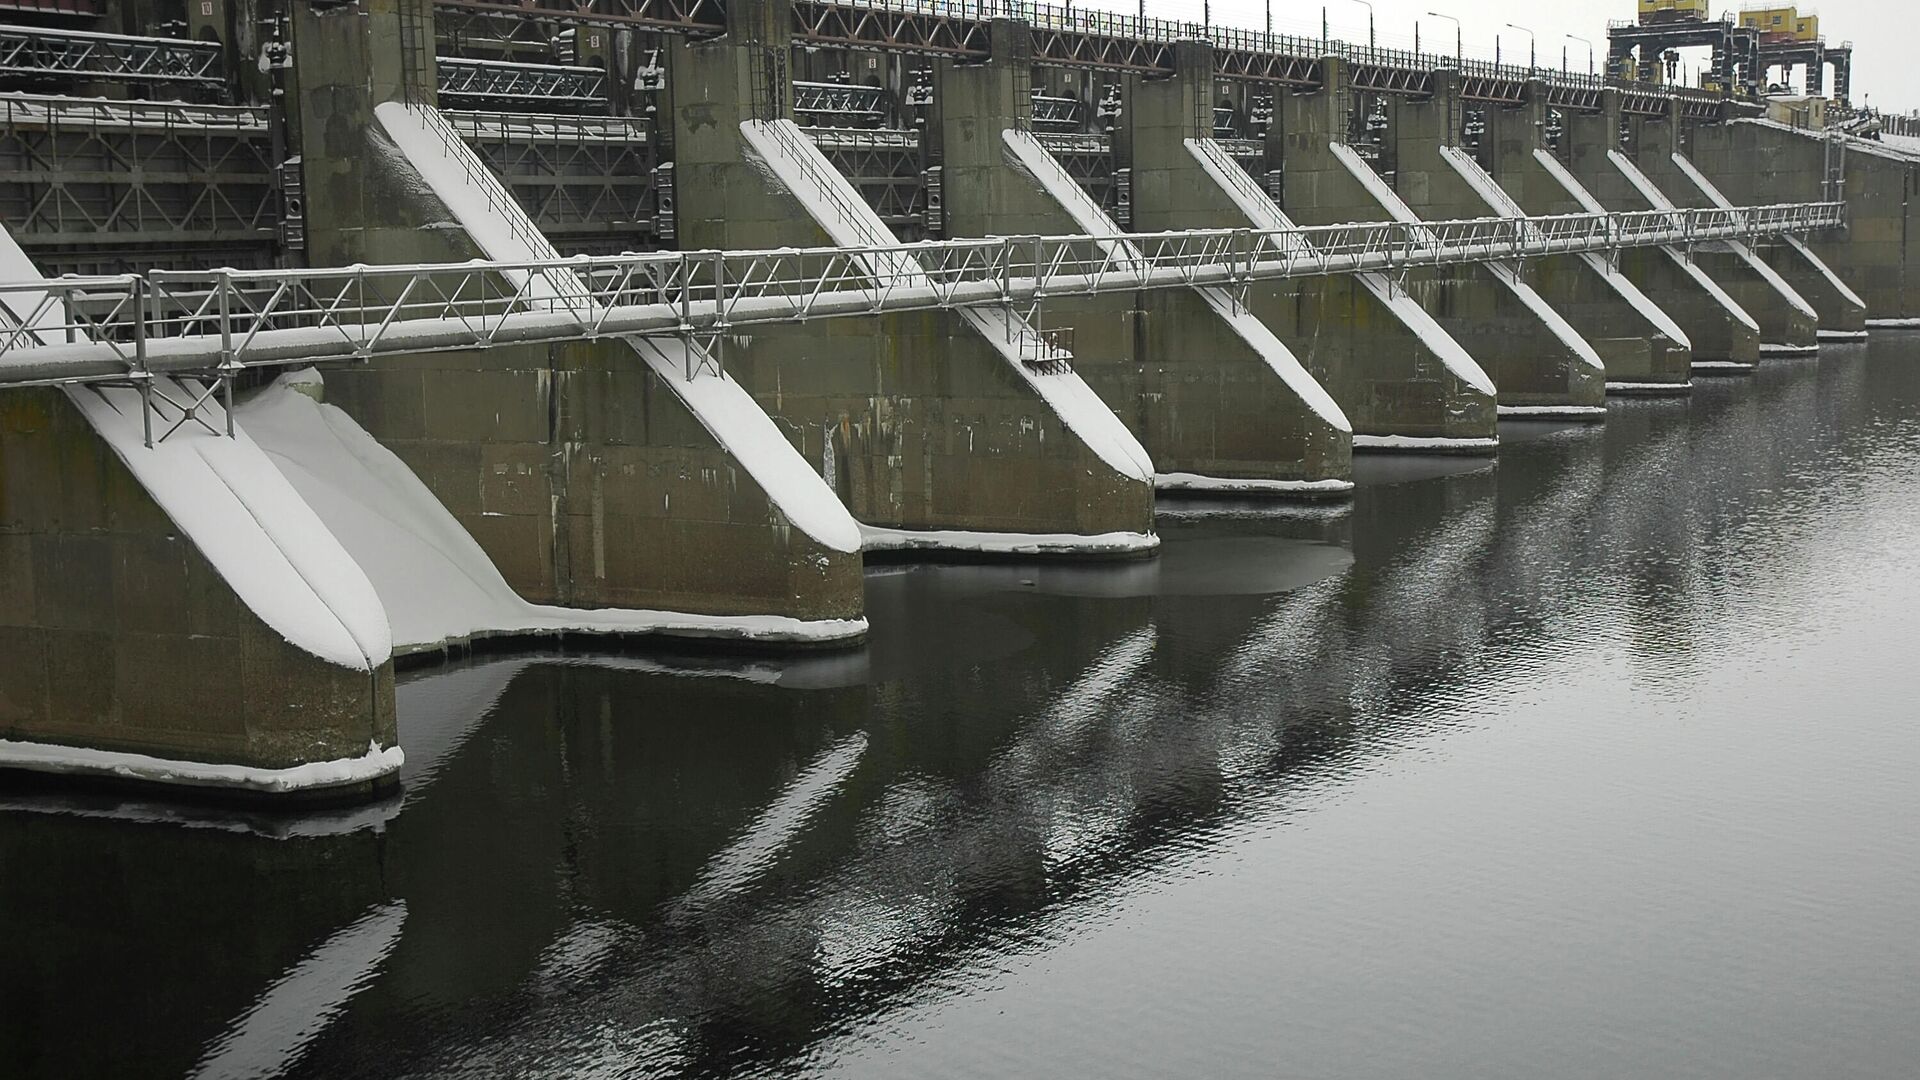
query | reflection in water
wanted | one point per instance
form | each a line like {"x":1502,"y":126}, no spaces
{"x":296,"y":1008}
{"x":1468,"y":778}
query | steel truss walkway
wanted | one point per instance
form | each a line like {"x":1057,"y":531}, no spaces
{"x":130,"y":328}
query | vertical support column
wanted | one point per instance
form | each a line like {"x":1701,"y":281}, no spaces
{"x":931,"y":429}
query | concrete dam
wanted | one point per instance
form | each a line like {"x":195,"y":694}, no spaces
{"x":342,"y":335}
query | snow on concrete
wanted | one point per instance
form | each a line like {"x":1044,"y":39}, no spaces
{"x":1278,"y":357}
{"x":272,"y":1035}
{"x":1739,"y":248}
{"x":1906,"y":144}
{"x":1376,"y":185}
{"x":879,"y":538}
{"x":1891,"y":151}
{"x":1680,"y":387}
{"x":1430,"y":332}
{"x":438,"y":584}
{"x":1093,"y":221}
{"x":839,"y":210}
{"x":504,"y":232}
{"x":1801,"y":249}
{"x":1185,"y":481}
{"x":1523,"y":411}
{"x":1773,"y":349}
{"x":480,"y":203}
{"x":1658,"y":200}
{"x":1625,"y":289}
{"x":312,"y":776}
{"x":1421,"y":442}
{"x":1482,"y":183}
{"x":1893,"y":324}
{"x":1262,"y":212}
{"x":1843,"y":335}
{"x":745,"y":429}
{"x":241,"y":514}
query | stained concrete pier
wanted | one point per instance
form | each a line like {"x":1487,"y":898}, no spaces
{"x":1218,"y":401}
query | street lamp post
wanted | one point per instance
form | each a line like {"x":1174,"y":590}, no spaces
{"x":1363,"y":3}
{"x":1530,"y":41}
{"x":1459,"y":50}
{"x":1583,"y":41}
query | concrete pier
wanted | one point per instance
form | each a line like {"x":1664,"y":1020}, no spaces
{"x":1217,"y":400}
{"x":1538,"y":360}
{"x":1725,"y":337}
{"x":1877,"y":256}
{"x":583,"y":471}
{"x":1643,"y":350}
{"x":1789,"y":324}
{"x":128,"y":652}
{"x":929,"y":426}
{"x":1403,"y":383}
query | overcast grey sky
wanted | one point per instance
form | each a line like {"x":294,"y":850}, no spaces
{"x":1885,"y":33}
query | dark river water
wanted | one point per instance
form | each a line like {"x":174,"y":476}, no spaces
{"x":1600,"y":760}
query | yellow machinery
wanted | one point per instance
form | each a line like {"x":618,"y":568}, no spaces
{"x":1777,"y":23}
{"x":1666,"y":11}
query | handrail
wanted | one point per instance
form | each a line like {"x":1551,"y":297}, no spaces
{"x":79,"y":329}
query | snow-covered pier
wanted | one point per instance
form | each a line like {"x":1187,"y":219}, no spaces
{"x":662,"y":333}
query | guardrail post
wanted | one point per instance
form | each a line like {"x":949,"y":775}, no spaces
{"x":140,"y":359}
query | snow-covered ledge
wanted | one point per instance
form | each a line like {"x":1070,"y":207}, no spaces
{"x":310,"y":778}
{"x":437,"y":584}
{"x":965,"y":541}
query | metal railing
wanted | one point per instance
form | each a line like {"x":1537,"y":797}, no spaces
{"x":133,"y":326}
{"x":22,"y":111}
{"x":41,"y":51}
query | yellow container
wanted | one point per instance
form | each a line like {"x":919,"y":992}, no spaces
{"x":1782,"y":23}
{"x":1657,"y":11}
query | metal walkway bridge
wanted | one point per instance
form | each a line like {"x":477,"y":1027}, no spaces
{"x":214,"y":324}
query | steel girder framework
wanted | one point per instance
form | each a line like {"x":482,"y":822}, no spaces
{"x":1088,"y":159}
{"x":45,"y":57}
{"x":483,"y":83}
{"x":85,"y":182}
{"x":1064,"y":36}
{"x":884,"y":166}
{"x":586,"y":181}
{"x":697,"y":16}
{"x":838,"y":105}
{"x":75,"y":330}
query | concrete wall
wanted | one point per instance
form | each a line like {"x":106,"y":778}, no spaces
{"x":117,"y":634}
{"x":1202,"y":398}
{"x":579,"y":470}
{"x":916,"y":420}
{"x":1878,"y":254}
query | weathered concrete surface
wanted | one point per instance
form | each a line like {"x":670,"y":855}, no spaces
{"x":1878,"y":254}
{"x":117,"y":633}
{"x":916,"y":420}
{"x":1788,"y":322}
{"x":580,"y":471}
{"x":1724,"y":336}
{"x":1643,"y":350}
{"x":1207,"y":402}
{"x":1389,"y":380}
{"x":1485,"y":307}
